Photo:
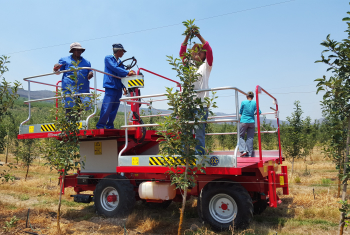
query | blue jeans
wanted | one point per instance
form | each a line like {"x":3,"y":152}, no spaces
{"x":246,"y":146}
{"x":200,"y":133}
{"x":109,"y":108}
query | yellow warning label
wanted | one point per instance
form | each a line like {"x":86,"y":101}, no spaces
{"x":31,"y":129}
{"x":135,"y":161}
{"x":265,"y":168}
{"x":281,"y":180}
{"x":98,"y":148}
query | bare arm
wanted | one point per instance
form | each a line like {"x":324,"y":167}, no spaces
{"x":201,"y":38}
{"x":186,"y":40}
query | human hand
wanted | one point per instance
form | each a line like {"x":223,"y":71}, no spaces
{"x":90,"y":75}
{"x":125,"y":91}
{"x":56,"y":67}
{"x":131,"y":73}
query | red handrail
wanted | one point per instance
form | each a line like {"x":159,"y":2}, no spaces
{"x":258,"y":90}
{"x":178,"y":84}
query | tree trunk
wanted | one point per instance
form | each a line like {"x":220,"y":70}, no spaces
{"x":339,"y":172}
{"x":292,"y":165}
{"x":25,"y":179}
{"x":59,"y":204}
{"x":8,"y":143}
{"x":184,"y":196}
{"x":345,"y":182}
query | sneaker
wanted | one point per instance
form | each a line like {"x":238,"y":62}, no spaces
{"x":244,"y":154}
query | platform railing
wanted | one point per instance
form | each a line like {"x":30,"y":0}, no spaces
{"x":132,"y":99}
{"x":29,"y":101}
{"x":235,"y":133}
{"x":258,"y":90}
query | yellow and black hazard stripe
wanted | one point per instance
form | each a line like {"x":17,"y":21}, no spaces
{"x":163,"y":161}
{"x":135,"y":82}
{"x":48,"y":127}
{"x":51,"y":127}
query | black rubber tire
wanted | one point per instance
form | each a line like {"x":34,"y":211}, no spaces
{"x":260,"y":206}
{"x":154,"y":205}
{"x":241,"y":197}
{"x":126,"y":196}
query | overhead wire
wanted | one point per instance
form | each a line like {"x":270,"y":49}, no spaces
{"x":155,"y":28}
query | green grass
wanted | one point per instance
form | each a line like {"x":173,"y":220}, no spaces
{"x":23,"y":197}
{"x":11,"y":207}
{"x":297,"y":180}
{"x":294,"y":221}
{"x":68,"y":203}
{"x":326,"y":182}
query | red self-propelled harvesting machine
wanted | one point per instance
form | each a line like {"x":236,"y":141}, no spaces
{"x":122,"y":166}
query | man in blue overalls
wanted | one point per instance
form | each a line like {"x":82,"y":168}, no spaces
{"x":84,"y":75}
{"x":113,"y":87}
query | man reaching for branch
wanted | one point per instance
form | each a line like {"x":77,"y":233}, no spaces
{"x":202,"y":53}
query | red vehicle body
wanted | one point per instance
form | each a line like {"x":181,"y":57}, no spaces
{"x":233,"y":187}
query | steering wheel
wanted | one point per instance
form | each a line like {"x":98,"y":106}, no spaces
{"x":132,"y":64}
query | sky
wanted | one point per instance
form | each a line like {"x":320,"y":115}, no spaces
{"x":270,"y":43}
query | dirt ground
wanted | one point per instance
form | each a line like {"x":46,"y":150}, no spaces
{"x":310,"y":208}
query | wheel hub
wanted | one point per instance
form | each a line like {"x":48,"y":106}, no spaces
{"x":109,"y":198}
{"x":223,"y":208}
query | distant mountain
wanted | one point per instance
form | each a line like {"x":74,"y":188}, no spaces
{"x":36,"y":94}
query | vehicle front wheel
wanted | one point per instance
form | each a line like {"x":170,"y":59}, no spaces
{"x":114,"y":196}
{"x":223,"y":205}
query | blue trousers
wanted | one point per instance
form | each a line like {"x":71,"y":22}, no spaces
{"x":69,"y":102}
{"x":109,"y":108}
{"x":246,"y":146}
{"x":200,"y":133}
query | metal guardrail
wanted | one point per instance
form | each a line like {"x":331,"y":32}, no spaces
{"x":128,"y":99}
{"x":258,"y":90}
{"x":52,"y":98}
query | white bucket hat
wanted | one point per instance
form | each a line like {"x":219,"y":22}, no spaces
{"x":75,"y":45}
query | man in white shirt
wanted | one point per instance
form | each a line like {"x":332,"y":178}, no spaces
{"x":202,"y":83}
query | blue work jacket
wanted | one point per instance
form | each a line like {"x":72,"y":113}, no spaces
{"x":83,"y":81}
{"x":112,"y":67}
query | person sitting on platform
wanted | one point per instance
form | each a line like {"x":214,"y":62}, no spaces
{"x":113,"y":87}
{"x":84,"y":75}
{"x":247,"y":125}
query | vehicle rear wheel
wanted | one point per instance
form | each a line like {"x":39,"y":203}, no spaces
{"x":225,"y":204}
{"x":114,"y":196}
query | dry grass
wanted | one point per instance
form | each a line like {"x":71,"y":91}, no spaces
{"x":310,"y":208}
